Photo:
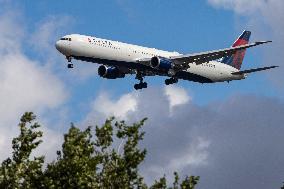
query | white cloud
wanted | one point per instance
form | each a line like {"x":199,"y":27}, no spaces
{"x":43,"y":42}
{"x":52,"y":142}
{"x":268,"y":12}
{"x":194,"y":155}
{"x":219,"y":140}
{"x":9,"y":28}
{"x":120,"y":108}
{"x":26,"y":85}
{"x":48,"y":31}
{"x":103,"y":107}
{"x":265,"y":18}
{"x":240,"y":6}
{"x":127,"y":105}
{"x":176,"y":95}
{"x":161,"y":106}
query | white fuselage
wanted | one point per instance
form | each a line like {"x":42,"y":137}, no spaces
{"x":93,"y":47}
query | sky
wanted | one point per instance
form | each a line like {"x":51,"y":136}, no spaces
{"x":229,"y":134}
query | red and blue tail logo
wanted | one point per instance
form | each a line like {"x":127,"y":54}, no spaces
{"x":236,"y":59}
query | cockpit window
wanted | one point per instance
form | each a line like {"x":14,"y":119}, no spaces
{"x":65,"y":39}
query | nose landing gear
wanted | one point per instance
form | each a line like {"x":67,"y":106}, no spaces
{"x":70,"y":65}
{"x":69,"y":59}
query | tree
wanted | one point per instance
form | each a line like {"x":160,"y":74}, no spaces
{"x":19,"y":171}
{"x":120,"y":170}
{"x":75,"y":166}
{"x":84,"y":161}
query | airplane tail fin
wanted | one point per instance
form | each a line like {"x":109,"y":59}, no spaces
{"x":236,"y":59}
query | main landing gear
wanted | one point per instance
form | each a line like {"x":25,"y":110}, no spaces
{"x":69,"y":59}
{"x":171,"y":81}
{"x":141,"y":84}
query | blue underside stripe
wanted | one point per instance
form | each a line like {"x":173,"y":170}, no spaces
{"x":181,"y":75}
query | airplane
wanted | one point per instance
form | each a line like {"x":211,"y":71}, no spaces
{"x":118,"y":59}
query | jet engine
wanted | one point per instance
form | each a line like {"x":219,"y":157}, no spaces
{"x":161,"y":63}
{"x":110,"y":72}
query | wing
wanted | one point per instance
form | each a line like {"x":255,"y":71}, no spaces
{"x":204,"y":57}
{"x":253,"y":70}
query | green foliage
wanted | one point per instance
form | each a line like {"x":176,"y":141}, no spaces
{"x":19,"y":171}
{"x":119,"y":170}
{"x":84,"y":161}
{"x":161,"y":184}
{"x":75,"y":166}
{"x":189,"y":182}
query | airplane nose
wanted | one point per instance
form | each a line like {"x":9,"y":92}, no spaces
{"x":58,"y":45}
{"x":61,"y":47}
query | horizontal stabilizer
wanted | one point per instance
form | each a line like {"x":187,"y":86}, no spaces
{"x":253,"y":70}
{"x":203,"y":57}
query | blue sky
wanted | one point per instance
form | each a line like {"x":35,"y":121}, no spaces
{"x":193,"y":128}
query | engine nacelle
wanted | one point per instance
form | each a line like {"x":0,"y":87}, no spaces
{"x":161,"y":63}
{"x":110,"y":72}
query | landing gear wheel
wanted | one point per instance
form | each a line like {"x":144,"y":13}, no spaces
{"x":141,"y":85}
{"x":175,"y":80}
{"x":144,"y":85}
{"x":136,"y":86}
{"x":70,"y":65}
{"x":171,"y":81}
{"x":167,"y":81}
